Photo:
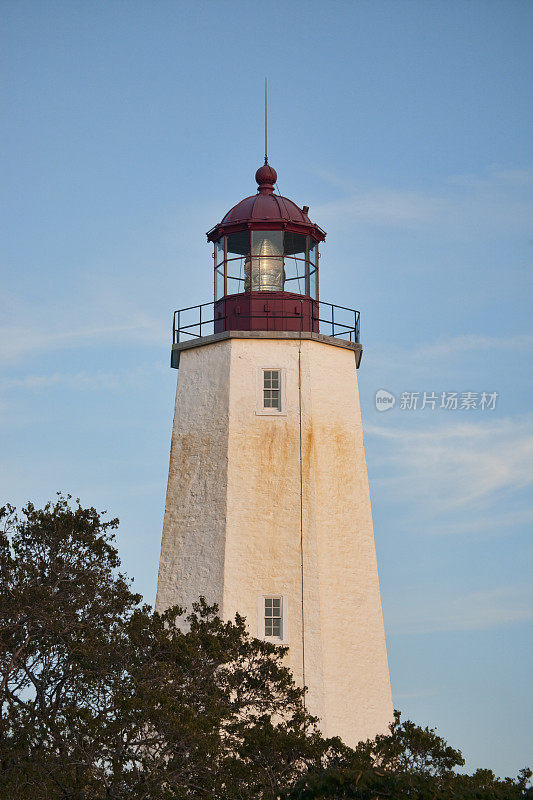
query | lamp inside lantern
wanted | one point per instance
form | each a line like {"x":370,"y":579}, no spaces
{"x":263,"y":270}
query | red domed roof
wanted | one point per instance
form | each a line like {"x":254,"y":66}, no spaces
{"x":266,"y":209}
{"x":271,"y":207}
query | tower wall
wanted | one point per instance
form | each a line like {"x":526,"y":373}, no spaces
{"x":194,"y":528}
{"x":233,"y":531}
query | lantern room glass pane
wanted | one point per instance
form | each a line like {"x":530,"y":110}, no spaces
{"x":219,"y":251}
{"x":239,"y":244}
{"x":264,"y":271}
{"x":313,"y":253}
{"x":265,"y":243}
{"x":313,"y":267}
{"x":295,"y":263}
{"x":295,"y":244}
{"x":235,"y":285}
{"x":313,"y":284}
{"x":295,"y":275}
{"x":237,"y":254}
{"x":219,"y":282}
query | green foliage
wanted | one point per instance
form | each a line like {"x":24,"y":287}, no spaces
{"x":102,"y":698}
{"x":62,"y":643}
{"x":410,"y":762}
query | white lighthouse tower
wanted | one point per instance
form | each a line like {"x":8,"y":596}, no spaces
{"x":268,"y":507}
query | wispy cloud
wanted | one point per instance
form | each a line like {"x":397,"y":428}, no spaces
{"x":448,"y":467}
{"x":503,"y":605}
{"x":493,"y":523}
{"x":500,"y":198}
{"x":412,"y":363}
{"x":473,"y":343}
{"x":495,"y":176}
{"x":381,"y":206}
{"x":83,"y":381}
{"x":16,"y":341}
{"x":96,"y":312}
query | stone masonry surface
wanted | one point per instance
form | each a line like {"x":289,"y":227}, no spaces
{"x":232,"y":518}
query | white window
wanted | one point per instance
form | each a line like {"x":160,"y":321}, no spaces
{"x":272,"y":613}
{"x":273,"y":617}
{"x":271,"y":391}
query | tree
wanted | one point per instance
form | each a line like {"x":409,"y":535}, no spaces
{"x":62,"y":645}
{"x":102,"y":698}
{"x":408,"y":762}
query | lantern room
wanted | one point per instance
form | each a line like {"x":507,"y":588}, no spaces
{"x":266,"y":263}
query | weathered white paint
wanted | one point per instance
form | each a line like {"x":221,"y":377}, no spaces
{"x":232,"y":517}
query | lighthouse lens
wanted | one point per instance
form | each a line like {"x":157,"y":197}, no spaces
{"x":264,"y":271}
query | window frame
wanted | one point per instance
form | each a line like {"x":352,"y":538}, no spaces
{"x":268,"y":411}
{"x":261,"y":616}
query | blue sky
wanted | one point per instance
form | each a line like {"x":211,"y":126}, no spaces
{"x":131,"y":128}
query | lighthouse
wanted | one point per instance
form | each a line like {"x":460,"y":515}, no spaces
{"x":268,"y":507}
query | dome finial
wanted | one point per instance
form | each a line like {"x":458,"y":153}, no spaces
{"x":266,"y":176}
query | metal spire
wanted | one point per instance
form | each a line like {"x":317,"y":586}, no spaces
{"x":266,"y":124}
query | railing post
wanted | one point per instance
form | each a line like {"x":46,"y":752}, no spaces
{"x":333,"y":320}
{"x":200,"y":320}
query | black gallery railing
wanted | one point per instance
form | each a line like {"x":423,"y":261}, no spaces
{"x":326,"y":318}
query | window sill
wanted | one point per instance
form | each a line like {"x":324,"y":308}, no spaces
{"x":275,"y":640}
